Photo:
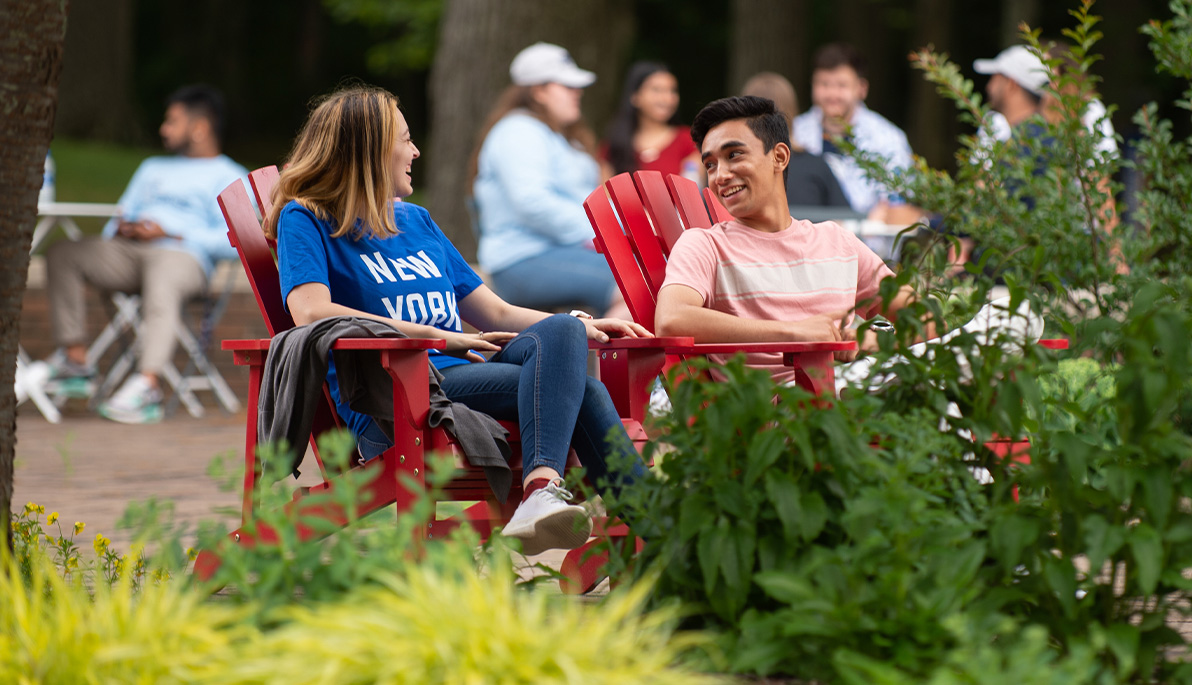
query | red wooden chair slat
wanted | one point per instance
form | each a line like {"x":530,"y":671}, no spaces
{"x":644,"y":241}
{"x":615,"y":244}
{"x":717,"y":210}
{"x":688,"y":202}
{"x":263,"y":181}
{"x":661,"y":208}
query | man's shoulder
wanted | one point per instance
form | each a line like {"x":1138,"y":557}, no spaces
{"x":182,"y":164}
{"x":873,"y":123}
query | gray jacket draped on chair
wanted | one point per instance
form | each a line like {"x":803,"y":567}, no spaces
{"x":292,"y":387}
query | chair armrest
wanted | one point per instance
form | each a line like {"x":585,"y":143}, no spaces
{"x":785,"y":348}
{"x":642,"y":343}
{"x":262,"y":344}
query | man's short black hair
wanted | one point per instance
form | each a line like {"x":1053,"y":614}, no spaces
{"x":204,"y":101}
{"x":760,"y":115}
{"x":835,"y":55}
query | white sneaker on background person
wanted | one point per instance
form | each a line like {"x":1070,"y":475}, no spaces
{"x":547,"y":520}
{"x":137,"y":401}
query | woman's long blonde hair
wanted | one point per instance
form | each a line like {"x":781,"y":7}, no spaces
{"x":340,"y":165}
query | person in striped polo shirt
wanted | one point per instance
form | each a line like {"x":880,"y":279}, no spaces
{"x":765,"y":276}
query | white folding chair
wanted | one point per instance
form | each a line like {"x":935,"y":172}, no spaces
{"x":199,"y":373}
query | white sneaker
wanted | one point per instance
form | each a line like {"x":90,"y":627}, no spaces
{"x":546,"y":521}
{"x":135,"y":402}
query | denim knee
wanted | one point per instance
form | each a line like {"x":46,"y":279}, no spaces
{"x":562,"y":327}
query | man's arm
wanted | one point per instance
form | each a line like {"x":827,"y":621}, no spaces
{"x":680,"y":312}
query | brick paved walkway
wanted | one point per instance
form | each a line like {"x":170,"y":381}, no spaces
{"x":90,"y":469}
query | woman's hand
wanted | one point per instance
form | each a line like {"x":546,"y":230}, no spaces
{"x":601,"y":329}
{"x":466,"y":344}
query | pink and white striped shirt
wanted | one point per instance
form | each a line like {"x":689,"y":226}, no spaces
{"x":804,"y":270}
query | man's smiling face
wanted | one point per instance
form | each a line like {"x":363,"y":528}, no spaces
{"x":742,"y":175}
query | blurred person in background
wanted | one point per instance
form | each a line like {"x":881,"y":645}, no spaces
{"x":809,"y":181}
{"x":839,"y":86}
{"x":532,"y":171}
{"x":164,"y":246}
{"x":645,"y":133}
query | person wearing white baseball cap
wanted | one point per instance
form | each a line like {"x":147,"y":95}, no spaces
{"x":530,"y":174}
{"x":1017,"y":81}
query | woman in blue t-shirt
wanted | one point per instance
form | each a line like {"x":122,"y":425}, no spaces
{"x":345,"y":247}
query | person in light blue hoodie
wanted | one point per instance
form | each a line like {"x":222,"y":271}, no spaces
{"x":163,"y":245}
{"x":531,"y":174}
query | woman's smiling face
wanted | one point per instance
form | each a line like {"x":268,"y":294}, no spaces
{"x":402,"y":158}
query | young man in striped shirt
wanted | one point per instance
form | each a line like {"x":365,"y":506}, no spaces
{"x":764,"y":277}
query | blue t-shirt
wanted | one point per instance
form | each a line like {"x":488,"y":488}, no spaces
{"x":416,"y":275}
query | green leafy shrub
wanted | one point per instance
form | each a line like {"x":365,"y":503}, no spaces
{"x":365,"y":605}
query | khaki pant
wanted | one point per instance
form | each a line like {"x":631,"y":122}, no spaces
{"x":165,"y":279}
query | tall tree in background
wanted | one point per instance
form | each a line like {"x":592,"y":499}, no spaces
{"x":31,"y":40}
{"x":96,"y":93}
{"x":932,"y":124}
{"x":477,"y":40}
{"x":769,"y":35}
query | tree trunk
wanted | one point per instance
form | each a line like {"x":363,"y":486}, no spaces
{"x":768,"y":35}
{"x":933,"y":129}
{"x":96,"y":99}
{"x":31,"y":39}
{"x":478,"y":39}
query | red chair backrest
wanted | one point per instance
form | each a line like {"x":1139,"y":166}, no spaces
{"x":263,"y":181}
{"x":256,"y":255}
{"x":637,"y":220}
{"x":244,"y":232}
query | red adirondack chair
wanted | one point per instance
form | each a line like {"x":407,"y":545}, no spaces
{"x":639,"y":217}
{"x":637,"y":220}
{"x":627,"y":368}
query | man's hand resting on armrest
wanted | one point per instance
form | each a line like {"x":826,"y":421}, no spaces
{"x":826,"y":328}
{"x":680,"y":312}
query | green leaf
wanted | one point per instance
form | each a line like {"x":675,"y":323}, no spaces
{"x":784,"y":586}
{"x":695,"y":514}
{"x":708,"y":550}
{"x":815,"y":515}
{"x":1011,"y":535}
{"x":1123,"y":640}
{"x":1158,"y":495}
{"x":784,"y":495}
{"x":1102,"y":539}
{"x":1061,"y":578}
{"x":764,"y":449}
{"x":1148,"y":556}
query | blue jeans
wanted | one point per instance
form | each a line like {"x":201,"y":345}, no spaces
{"x":540,"y":380}
{"x":559,"y":277}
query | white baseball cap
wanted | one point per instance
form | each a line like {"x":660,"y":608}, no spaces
{"x":546,"y":63}
{"x":1019,"y":64}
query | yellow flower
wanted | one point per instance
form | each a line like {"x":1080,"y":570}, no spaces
{"x":192,"y":553}
{"x":52,"y":518}
{"x":101,"y":543}
{"x":49,"y":540}
{"x":41,"y":509}
{"x":79,"y":526}
{"x":30,"y":507}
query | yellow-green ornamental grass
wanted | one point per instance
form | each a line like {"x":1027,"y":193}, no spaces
{"x":435,"y":622}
